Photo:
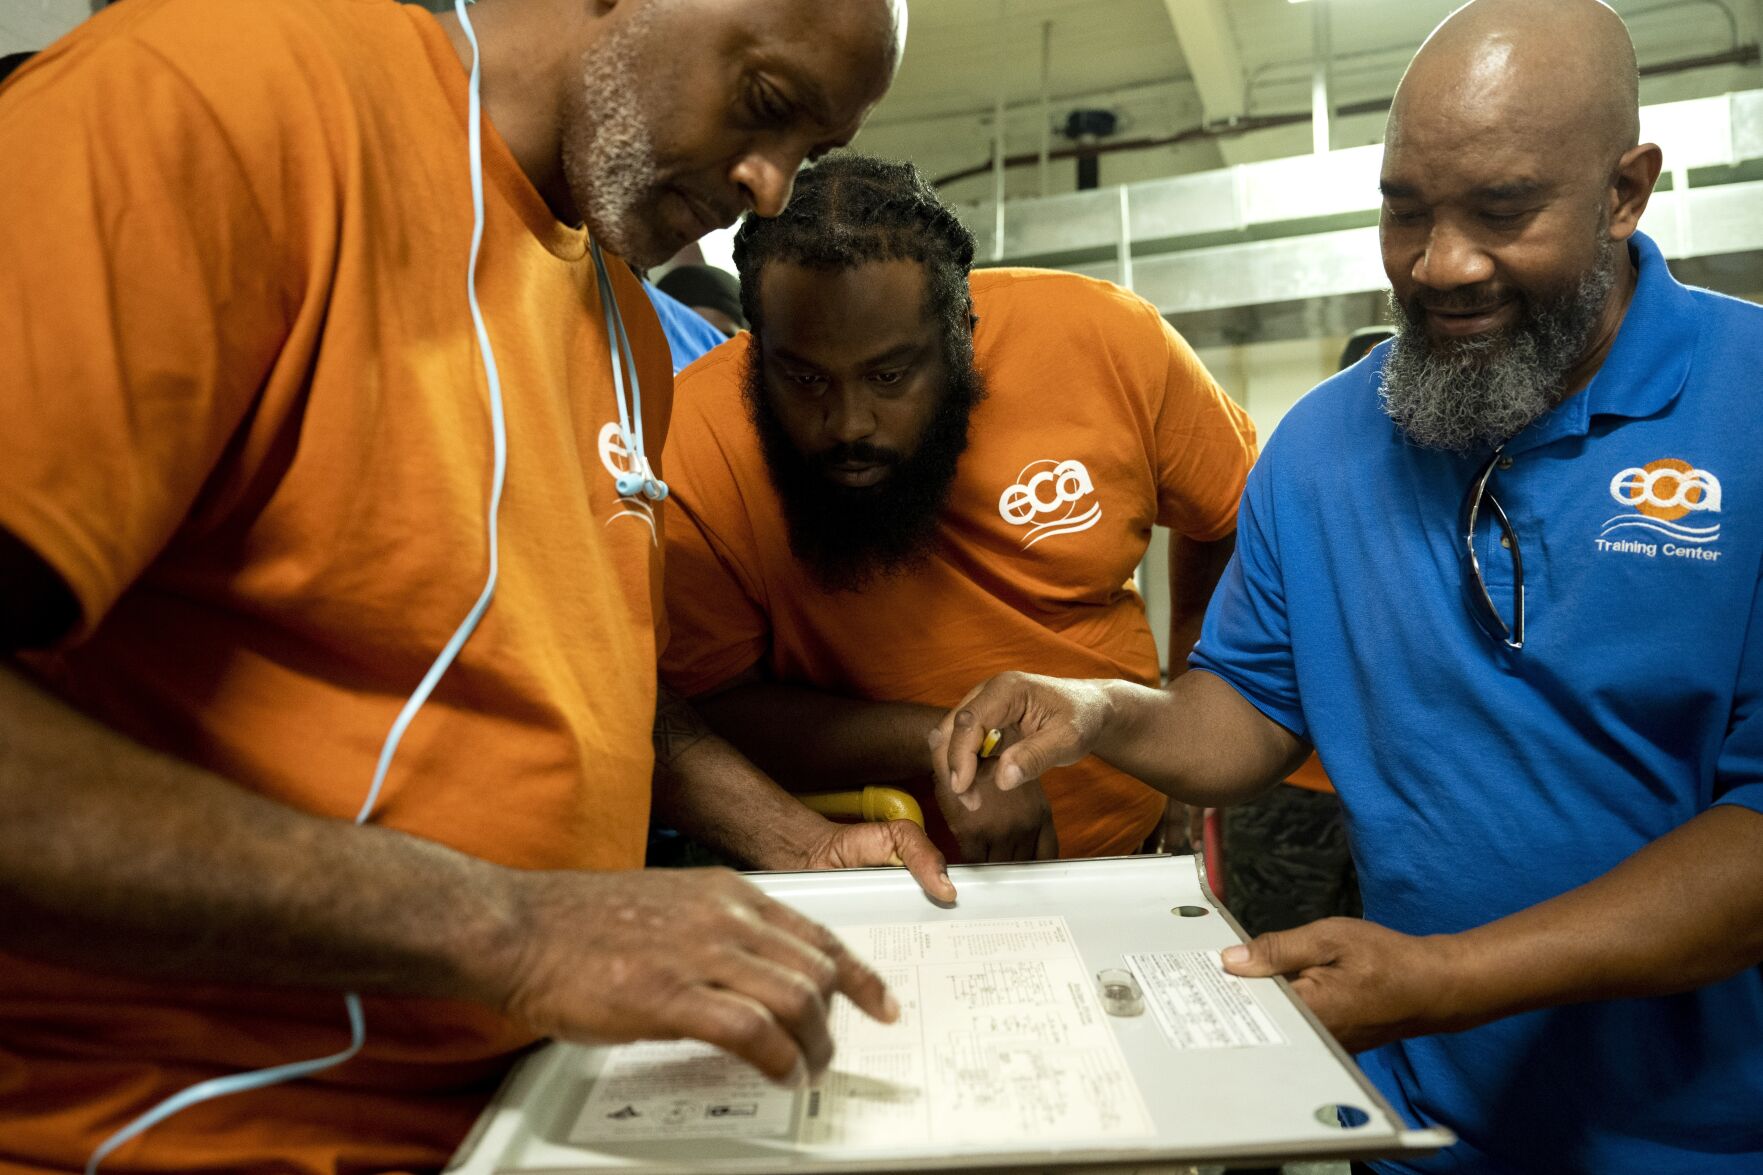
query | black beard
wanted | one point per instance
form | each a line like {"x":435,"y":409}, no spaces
{"x":1481,"y":392}
{"x":849,"y":537}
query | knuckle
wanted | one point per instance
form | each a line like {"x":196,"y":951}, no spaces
{"x":817,"y":973}
{"x":801,"y":1001}
{"x":741,"y":1026}
{"x":829,"y":950}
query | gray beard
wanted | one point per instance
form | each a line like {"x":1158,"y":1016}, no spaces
{"x":1481,"y":392}
{"x":611,"y":166}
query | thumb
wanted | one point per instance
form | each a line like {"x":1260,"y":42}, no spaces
{"x":1281,"y":952}
{"x":1035,"y":755}
{"x":921,"y":858}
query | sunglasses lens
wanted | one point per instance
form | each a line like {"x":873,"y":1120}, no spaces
{"x":1476,"y":596}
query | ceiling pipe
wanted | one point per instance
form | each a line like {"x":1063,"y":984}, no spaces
{"x":1046,"y":103}
{"x":999,"y":161}
{"x":1743,"y":55}
{"x":1323,"y":40}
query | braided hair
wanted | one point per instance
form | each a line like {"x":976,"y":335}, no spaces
{"x":850,"y":210}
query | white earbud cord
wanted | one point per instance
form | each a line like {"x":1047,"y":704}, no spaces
{"x":630,"y":420}
{"x":260,"y":1078}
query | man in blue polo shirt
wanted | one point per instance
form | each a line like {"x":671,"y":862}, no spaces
{"x":1504,"y":576}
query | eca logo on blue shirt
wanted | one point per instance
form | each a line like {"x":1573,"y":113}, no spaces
{"x":1670,"y":504}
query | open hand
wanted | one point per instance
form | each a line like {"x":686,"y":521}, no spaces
{"x":1368,"y":984}
{"x":670,"y":954}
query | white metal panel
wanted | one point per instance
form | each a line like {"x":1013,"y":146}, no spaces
{"x":1306,"y":186}
{"x":1696,"y":133}
{"x":1724,"y":221}
{"x":1701,"y":133}
{"x":1243,"y":1103}
{"x":1321,"y":265}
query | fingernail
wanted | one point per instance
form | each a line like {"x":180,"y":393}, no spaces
{"x":798,"y":1078}
{"x":944,"y":878}
{"x":1236,"y":954}
{"x":1009,"y":776}
{"x":891,"y":1006}
{"x":969,"y":801}
{"x":936,"y":738}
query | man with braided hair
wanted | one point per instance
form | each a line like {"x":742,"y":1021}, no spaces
{"x":941,"y":473}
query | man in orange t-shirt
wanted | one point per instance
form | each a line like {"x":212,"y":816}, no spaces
{"x":245,"y":471}
{"x":938,"y":474}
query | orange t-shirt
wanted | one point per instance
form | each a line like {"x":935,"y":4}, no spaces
{"x":1091,"y":392}
{"x":1310,"y":776}
{"x":246,"y":420}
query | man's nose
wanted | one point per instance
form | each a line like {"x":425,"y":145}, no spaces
{"x":850,"y":416}
{"x":1451,"y":260}
{"x":766,"y":178}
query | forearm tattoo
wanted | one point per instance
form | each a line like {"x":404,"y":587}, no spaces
{"x":678,"y":727}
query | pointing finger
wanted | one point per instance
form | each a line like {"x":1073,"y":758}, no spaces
{"x":851,"y":976}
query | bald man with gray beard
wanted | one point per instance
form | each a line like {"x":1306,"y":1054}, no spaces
{"x":1503,"y":575}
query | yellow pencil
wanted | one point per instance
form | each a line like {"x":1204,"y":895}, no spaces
{"x":993,"y":738}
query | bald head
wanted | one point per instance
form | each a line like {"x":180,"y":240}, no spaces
{"x":900,"y":22}
{"x":1556,"y":71}
{"x":678,"y":116}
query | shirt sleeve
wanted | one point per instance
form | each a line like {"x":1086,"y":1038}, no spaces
{"x":717,"y":626}
{"x":1246,"y":638}
{"x":715,"y":630}
{"x":1205,"y":446}
{"x":1738,"y":772}
{"x":140,"y":310}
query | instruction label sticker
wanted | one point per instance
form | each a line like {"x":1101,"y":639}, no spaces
{"x":1199,"y":1004}
{"x":1001,"y":1041}
{"x":680,"y":1090}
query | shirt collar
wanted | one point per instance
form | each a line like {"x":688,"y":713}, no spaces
{"x":1648,"y":364}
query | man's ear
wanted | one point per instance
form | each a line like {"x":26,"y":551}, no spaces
{"x":1631,"y":187}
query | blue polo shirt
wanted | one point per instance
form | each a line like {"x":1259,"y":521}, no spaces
{"x":1479,"y":781}
{"x":689,"y":335}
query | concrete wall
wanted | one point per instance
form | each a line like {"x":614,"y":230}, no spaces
{"x":32,"y":24}
{"x":1266,"y":379}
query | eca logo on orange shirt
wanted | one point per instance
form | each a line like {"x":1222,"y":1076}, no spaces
{"x":1051,"y":498}
{"x":619,"y":460}
{"x":1659,"y":497}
